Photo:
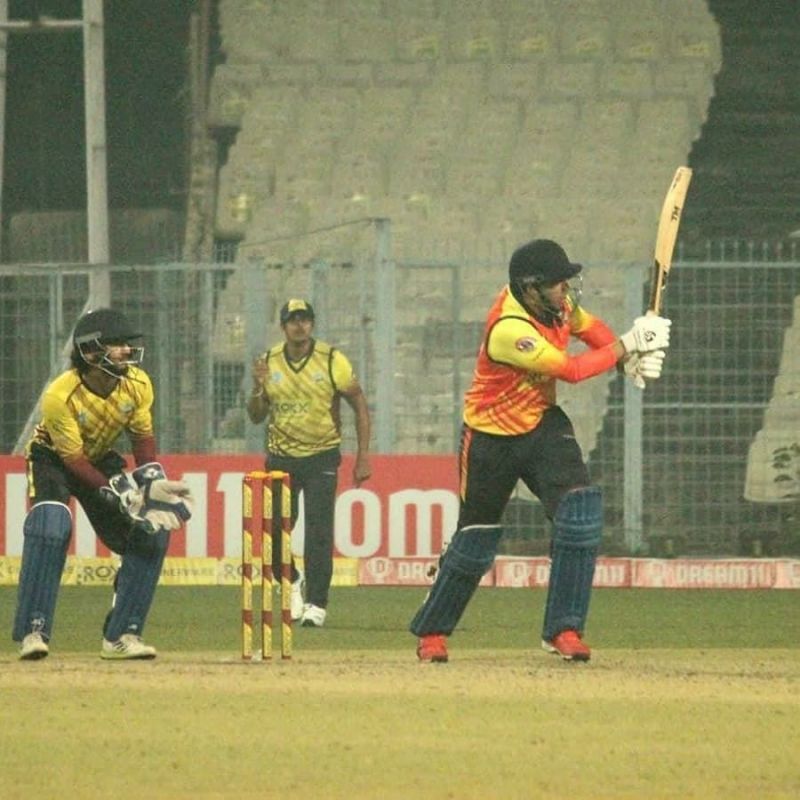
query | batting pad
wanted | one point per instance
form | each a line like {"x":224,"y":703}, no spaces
{"x":469,"y":555}
{"x":576,"y":540}
{"x":135,"y":587}
{"x":46,"y":531}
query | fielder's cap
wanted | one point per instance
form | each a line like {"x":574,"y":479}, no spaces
{"x":105,"y":325}
{"x":543,"y":261}
{"x":297,"y":307}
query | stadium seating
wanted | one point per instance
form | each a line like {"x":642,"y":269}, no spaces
{"x":474,"y":126}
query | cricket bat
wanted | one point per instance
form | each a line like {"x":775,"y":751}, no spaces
{"x":667,"y":235}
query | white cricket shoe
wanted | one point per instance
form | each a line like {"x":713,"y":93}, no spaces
{"x":313,"y":616}
{"x":129,"y":646}
{"x":33,"y":647}
{"x":297,"y":603}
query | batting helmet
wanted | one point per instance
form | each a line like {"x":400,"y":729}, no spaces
{"x":540,"y":261}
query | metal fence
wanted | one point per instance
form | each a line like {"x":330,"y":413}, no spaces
{"x":671,"y":461}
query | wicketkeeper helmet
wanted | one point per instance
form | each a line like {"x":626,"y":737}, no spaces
{"x":100,"y":329}
{"x":104,"y":325}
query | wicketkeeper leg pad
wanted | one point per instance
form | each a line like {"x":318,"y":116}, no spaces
{"x":469,"y":555}
{"x":576,"y":540}
{"x":46,"y":531}
{"x":135,"y":587}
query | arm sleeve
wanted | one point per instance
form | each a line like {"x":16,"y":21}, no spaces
{"x":141,"y":423}
{"x":591,"y":330}
{"x":144,"y":449}
{"x":86,"y":472}
{"x":140,"y":427}
{"x":517,"y":343}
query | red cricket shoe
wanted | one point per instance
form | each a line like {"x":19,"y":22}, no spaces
{"x":568,"y":645}
{"x":433,"y":648}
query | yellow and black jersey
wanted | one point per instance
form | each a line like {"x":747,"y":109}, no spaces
{"x":304,"y":399}
{"x":520,"y":360}
{"x":77,"y":422}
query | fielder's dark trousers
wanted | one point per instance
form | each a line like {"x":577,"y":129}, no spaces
{"x":316,"y":477}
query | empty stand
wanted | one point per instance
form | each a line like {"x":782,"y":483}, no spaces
{"x":744,"y":181}
{"x":366,"y":37}
{"x":474,"y":39}
{"x":530,"y":38}
{"x":420,"y":38}
{"x":589,"y":34}
{"x":473,"y":126}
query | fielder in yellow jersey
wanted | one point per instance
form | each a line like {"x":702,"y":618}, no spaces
{"x":84,"y":411}
{"x":304,"y":399}
{"x":297,"y":388}
{"x":514,"y":430}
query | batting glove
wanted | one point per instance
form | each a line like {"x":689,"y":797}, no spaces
{"x":648,"y":333}
{"x":646,"y":365}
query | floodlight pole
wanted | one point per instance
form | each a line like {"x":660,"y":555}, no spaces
{"x":3,"y":73}
{"x":95,"y":112}
{"x":96,"y":171}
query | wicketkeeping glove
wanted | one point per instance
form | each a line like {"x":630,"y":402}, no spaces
{"x":152,"y":501}
{"x":127,"y":497}
{"x":168,"y":502}
{"x":648,"y":333}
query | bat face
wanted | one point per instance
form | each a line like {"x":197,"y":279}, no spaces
{"x":668,"y":224}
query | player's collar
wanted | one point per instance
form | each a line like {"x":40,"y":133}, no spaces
{"x":298,"y":363}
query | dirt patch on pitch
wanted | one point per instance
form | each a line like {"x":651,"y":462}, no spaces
{"x":490,"y":674}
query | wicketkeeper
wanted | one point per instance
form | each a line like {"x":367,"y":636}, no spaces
{"x":513,"y":430}
{"x":84,"y":410}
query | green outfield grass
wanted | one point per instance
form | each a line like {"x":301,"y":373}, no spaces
{"x":207,"y":619}
{"x":689,"y":694}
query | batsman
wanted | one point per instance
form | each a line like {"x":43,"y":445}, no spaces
{"x":84,"y":411}
{"x":514,"y":430}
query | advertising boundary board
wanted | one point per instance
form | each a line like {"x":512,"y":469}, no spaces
{"x":508,"y":572}
{"x":389,"y":532}
{"x":408,"y":508}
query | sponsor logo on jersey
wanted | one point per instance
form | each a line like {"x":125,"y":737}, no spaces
{"x":292,"y":408}
{"x":525,"y":344}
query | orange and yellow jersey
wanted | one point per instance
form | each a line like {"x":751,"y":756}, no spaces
{"x":520,"y":360}
{"x":304,"y":399}
{"x":77,"y":422}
